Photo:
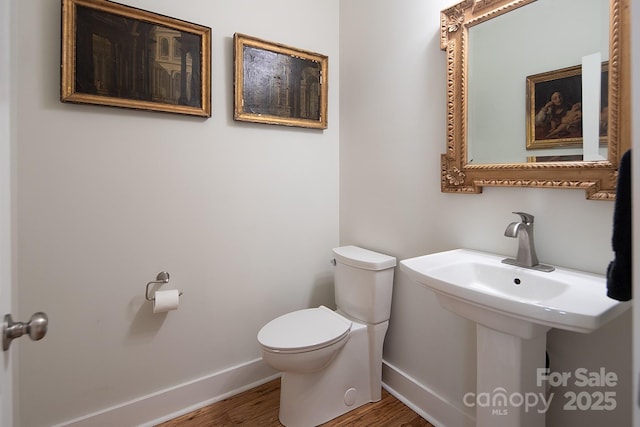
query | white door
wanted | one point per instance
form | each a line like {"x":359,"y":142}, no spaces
{"x":6,"y":412}
{"x":36,"y":326}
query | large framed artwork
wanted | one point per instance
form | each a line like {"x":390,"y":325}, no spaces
{"x":121,"y":56}
{"x":278,"y":84}
{"x":554,"y":108}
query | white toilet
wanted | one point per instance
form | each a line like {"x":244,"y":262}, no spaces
{"x":331,"y":361}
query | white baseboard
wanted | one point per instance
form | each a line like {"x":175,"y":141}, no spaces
{"x":167,"y":404}
{"x":173,"y":402}
{"x":425,"y":402}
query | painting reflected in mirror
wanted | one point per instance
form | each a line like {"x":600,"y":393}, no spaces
{"x":554,"y":108}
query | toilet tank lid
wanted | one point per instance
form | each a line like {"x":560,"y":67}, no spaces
{"x":363,"y":258}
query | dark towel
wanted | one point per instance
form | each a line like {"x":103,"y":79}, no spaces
{"x":619,"y":271}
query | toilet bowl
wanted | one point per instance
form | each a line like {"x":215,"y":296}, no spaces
{"x":331,"y":361}
{"x":303,"y":341}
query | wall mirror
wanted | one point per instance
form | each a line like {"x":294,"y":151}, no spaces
{"x":512,"y":63}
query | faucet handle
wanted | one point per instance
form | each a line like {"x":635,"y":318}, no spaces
{"x":527,"y":218}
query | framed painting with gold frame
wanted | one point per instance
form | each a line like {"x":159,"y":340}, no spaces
{"x":121,"y":56}
{"x":278,"y":84}
{"x":554,"y":108}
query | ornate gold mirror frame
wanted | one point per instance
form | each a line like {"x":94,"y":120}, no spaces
{"x":598,"y":179}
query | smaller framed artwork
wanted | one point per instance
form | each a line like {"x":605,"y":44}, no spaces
{"x":279,"y":85}
{"x":554,"y":108}
{"x":120,"y":56}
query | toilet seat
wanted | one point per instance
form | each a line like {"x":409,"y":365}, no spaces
{"x":304,"y":330}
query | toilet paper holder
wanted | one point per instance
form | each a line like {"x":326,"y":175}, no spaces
{"x":162,"y":277}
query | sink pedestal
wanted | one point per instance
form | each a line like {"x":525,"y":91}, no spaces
{"x":507,"y":393}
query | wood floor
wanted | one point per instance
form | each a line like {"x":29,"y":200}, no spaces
{"x":259,"y":407}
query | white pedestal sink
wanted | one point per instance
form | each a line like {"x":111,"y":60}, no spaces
{"x":513,"y":308}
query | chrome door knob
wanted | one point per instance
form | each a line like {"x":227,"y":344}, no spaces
{"x":36,"y":328}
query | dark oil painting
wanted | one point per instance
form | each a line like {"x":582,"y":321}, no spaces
{"x":121,"y":56}
{"x":280,"y":85}
{"x":128,"y":58}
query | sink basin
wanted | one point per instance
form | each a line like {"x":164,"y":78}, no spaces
{"x":515,"y":300}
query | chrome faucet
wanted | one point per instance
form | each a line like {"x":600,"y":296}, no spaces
{"x":526,"y":256}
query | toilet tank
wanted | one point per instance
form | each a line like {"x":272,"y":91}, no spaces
{"x":363,"y":283}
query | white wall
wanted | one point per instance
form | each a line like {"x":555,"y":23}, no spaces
{"x":242,"y":215}
{"x":392,"y":133}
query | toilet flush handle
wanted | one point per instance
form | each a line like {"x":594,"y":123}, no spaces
{"x":332,"y":261}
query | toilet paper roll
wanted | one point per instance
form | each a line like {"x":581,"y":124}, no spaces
{"x":166,"y":300}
